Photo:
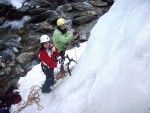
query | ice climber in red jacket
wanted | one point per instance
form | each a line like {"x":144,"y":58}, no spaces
{"x":48,"y":55}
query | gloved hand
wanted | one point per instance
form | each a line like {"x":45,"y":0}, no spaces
{"x":74,"y":33}
{"x":59,"y":66}
{"x":59,"y":59}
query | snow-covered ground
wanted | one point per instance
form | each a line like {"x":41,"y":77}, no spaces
{"x":113,"y":72}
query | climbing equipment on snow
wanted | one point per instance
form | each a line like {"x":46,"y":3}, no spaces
{"x":32,"y":97}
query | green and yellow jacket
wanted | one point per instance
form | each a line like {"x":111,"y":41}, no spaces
{"x":60,"y":40}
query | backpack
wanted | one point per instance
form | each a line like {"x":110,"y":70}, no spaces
{"x":9,"y":98}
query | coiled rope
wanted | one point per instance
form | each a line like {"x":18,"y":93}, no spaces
{"x":32,"y":97}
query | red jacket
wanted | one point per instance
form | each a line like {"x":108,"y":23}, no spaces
{"x":49,"y":57}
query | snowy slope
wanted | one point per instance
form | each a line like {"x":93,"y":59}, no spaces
{"x":112,"y":74}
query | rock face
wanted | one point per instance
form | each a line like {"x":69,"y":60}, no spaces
{"x":24,"y":57}
{"x":4,"y":9}
{"x":13,"y":61}
{"x":19,"y":47}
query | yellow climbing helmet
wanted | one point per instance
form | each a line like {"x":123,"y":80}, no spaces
{"x":61,"y":22}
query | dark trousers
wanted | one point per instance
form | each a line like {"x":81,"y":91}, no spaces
{"x":49,"y":73}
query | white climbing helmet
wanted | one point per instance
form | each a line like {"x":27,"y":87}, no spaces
{"x":44,"y":38}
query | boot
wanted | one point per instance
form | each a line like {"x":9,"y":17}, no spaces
{"x":45,"y":89}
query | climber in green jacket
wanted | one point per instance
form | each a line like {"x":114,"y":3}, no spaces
{"x":61,"y":37}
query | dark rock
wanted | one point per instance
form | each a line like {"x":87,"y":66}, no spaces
{"x":3,"y":9}
{"x":1,"y":68}
{"x":2,"y":73}
{"x":82,"y":6}
{"x":44,"y":4}
{"x":37,"y":3}
{"x":44,"y":27}
{"x":31,"y":42}
{"x":82,"y":36}
{"x":98,"y":3}
{"x":83,"y":19}
{"x":53,"y":17}
{"x":62,"y":2}
{"x":38,"y":18}
{"x":15,"y":50}
{"x":50,"y":14}
{"x":23,"y":31}
{"x":64,"y":8}
{"x":24,"y":57}
{"x":77,"y":1}
{"x":24,"y":9}
{"x":18,"y":69}
{"x":36,"y":11}
{"x":8,"y":55}
{"x":2,"y":20}
{"x":3,"y":64}
{"x":110,"y":2}
{"x":2,"y":45}
{"x":15,"y":14}
{"x":8,"y":70}
{"x":13,"y":42}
